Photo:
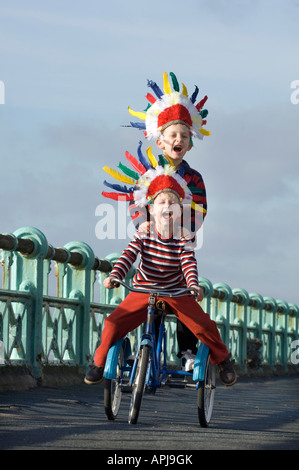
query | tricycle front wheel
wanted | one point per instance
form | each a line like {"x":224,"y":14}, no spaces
{"x":205,"y":394}
{"x":139,"y":384}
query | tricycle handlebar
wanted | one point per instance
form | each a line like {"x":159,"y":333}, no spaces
{"x":157,"y":292}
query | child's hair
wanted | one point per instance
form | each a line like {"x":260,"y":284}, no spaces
{"x":167,"y":191}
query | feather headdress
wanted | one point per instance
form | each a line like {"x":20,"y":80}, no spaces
{"x":171,"y":107}
{"x":147,"y":180}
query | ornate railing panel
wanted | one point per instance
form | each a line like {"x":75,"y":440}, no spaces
{"x":38,"y":329}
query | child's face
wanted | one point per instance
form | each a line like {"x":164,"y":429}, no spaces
{"x":166,"y":210}
{"x":176,"y":142}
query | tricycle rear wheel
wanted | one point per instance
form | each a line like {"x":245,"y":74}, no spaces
{"x":113,"y":389}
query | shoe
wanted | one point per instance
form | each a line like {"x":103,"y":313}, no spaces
{"x":94,"y":375}
{"x":188,"y":360}
{"x":227,"y":372}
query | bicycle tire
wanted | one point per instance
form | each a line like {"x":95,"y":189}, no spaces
{"x":113,"y":390}
{"x":139,"y":384}
{"x":205,"y":394}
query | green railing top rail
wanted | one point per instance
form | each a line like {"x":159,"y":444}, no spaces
{"x":26,"y":246}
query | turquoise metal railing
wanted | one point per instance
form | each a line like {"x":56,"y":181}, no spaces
{"x":38,"y":329}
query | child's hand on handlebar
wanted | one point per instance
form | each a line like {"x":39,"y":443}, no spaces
{"x":109,"y":283}
{"x":198,"y":293}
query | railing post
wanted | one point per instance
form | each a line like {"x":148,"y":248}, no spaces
{"x":208,"y":288}
{"x":111,"y":296}
{"x":27,"y":274}
{"x":220,"y":311}
{"x":293,"y":334}
{"x":254,"y":331}
{"x":281,"y":339}
{"x":268,"y":326}
{"x":117,"y":295}
{"x":78,"y":283}
{"x":254,"y":316}
{"x":293,"y":321}
{"x":239,"y":323}
{"x":7,"y":261}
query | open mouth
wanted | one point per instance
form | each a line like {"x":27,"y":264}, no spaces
{"x":177,"y":148}
{"x":167,"y":215}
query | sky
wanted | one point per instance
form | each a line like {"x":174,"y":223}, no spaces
{"x":70,"y":69}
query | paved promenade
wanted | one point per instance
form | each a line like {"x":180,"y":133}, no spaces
{"x":255,"y":414}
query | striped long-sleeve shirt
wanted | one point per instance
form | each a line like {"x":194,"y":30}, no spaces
{"x":169,"y":263}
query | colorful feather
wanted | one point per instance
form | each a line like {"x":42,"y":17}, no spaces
{"x":169,"y":161}
{"x":166,"y":84}
{"x":198,"y":207}
{"x":118,"y":187}
{"x":127,"y":171}
{"x":141,"y":157}
{"x":151,"y":157}
{"x":194,"y":95}
{"x":195,"y":190}
{"x":200,"y":105}
{"x":138,"y":125}
{"x":156,"y":89}
{"x":204,"y":132}
{"x":117,"y":196}
{"x":204,"y":113}
{"x":135,"y":164}
{"x":119,"y":176}
{"x":137,"y":114}
{"x":185,"y":91}
{"x":162,"y":160}
{"x":175,"y":83}
{"x":151,"y":98}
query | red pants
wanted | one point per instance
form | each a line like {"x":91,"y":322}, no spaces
{"x":132,"y":311}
